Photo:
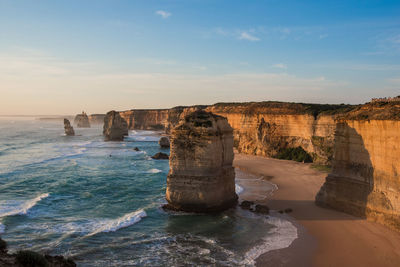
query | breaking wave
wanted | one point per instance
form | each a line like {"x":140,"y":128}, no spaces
{"x":112,"y":225}
{"x":18,"y":207}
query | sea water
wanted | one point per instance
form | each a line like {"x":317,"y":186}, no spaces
{"x":100,"y":203}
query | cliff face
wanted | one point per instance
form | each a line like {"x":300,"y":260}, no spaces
{"x":69,"y":130}
{"x":201,"y":176}
{"x":146,"y":119}
{"x":96,"y":119}
{"x":267,"y":129}
{"x":365,"y":176}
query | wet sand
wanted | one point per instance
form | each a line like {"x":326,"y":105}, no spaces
{"x":326,"y":237}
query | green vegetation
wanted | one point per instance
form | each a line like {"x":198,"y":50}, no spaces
{"x":29,"y":258}
{"x":322,"y":168}
{"x":295,"y":153}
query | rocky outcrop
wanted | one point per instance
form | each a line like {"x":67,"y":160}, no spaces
{"x":115,"y":127}
{"x":164,"y":142}
{"x":96,"y":119}
{"x":365,"y":177}
{"x":82,"y":120}
{"x":160,"y":155}
{"x":69,"y":130}
{"x":201,"y":176}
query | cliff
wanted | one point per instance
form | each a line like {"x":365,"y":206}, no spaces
{"x":201,"y":176}
{"x":96,"y":119}
{"x":69,"y":130}
{"x":365,"y":177}
{"x":270,"y":128}
{"x":260,"y":128}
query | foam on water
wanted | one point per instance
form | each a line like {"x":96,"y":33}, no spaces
{"x":281,"y":236}
{"x":154,"y":171}
{"x":238,"y":189}
{"x":18,"y":207}
{"x":112,"y":225}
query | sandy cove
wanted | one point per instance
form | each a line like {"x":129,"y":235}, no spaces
{"x":326,"y":237}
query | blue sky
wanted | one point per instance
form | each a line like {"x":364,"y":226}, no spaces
{"x":59,"y":57}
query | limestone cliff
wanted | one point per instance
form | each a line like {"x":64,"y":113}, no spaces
{"x":146,"y":119}
{"x":365,"y":176}
{"x":266,"y":128}
{"x":69,"y":130}
{"x":115,"y":127}
{"x":82,"y":120}
{"x":96,"y":119}
{"x":201,"y":176}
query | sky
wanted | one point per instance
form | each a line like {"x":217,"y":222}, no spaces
{"x":62,"y":57}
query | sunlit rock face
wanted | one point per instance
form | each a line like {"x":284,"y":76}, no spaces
{"x":365,"y":177}
{"x":69,"y":130}
{"x":201,"y":176}
{"x":82,"y":120}
{"x":115,"y":127}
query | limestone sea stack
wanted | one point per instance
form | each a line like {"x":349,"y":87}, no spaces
{"x":115,"y":127}
{"x":69,"y":130}
{"x":201,"y":176}
{"x":82,"y":120}
{"x":164,"y":142}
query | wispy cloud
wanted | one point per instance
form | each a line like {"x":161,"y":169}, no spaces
{"x":280,"y":66}
{"x":164,"y":14}
{"x":247,"y":36}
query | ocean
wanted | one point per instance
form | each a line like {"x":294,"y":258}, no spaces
{"x":99,"y":203}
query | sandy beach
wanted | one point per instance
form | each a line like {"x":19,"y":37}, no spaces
{"x":326,"y":237}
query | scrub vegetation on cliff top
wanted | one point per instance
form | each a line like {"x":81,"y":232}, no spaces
{"x":276,"y":107}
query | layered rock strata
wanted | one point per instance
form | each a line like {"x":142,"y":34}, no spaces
{"x":82,"y":120}
{"x":365,"y":177}
{"x":201,"y":176}
{"x":69,"y":130}
{"x":96,"y":119}
{"x":115,"y":127}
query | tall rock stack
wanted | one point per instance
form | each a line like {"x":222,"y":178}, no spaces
{"x":201,"y":176}
{"x":69,"y":130}
{"x":82,"y":120}
{"x":115,"y":127}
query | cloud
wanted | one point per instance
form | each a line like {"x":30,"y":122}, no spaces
{"x":280,"y":66}
{"x":247,"y":36}
{"x":163,"y":14}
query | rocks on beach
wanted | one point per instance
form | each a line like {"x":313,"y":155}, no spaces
{"x":164,"y":142}
{"x":82,"y":120}
{"x":115,"y":127}
{"x":69,"y":130}
{"x":201,"y":176}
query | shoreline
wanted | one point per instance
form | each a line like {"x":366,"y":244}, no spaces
{"x":325,"y":237}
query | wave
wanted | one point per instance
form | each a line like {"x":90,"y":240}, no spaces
{"x":238,"y":189}
{"x":281,"y":236}
{"x":112,"y":225}
{"x":2,"y":228}
{"x":154,"y":171}
{"x":17,"y":207}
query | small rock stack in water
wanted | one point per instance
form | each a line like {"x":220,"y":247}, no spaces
{"x":69,"y":130}
{"x":115,"y":127}
{"x":201,"y":176}
{"x":82,"y":120}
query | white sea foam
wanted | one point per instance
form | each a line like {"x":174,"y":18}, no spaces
{"x":238,"y":189}
{"x":154,"y":171}
{"x":112,"y":225}
{"x":281,"y":236}
{"x":18,"y":207}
